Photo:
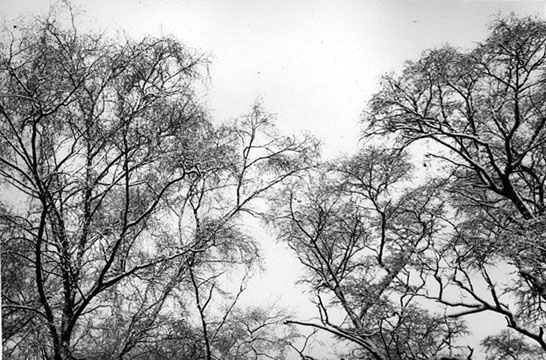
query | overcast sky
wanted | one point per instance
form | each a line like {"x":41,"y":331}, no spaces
{"x":314,"y":63}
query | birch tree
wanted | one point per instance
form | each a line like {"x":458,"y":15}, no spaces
{"x":122,"y":198}
{"x":365,"y":236}
{"x":483,"y":112}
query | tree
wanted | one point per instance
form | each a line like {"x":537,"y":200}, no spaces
{"x":483,"y":110}
{"x":365,"y":240}
{"x":124,"y":201}
{"x":510,"y":346}
{"x":260,"y":160}
{"x":86,"y":128}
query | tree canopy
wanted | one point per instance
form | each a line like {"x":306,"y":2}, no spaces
{"x":398,"y":259}
{"x":125,"y":207}
{"x":483,"y":111}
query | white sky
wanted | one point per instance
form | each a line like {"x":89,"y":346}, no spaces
{"x":314,"y":63}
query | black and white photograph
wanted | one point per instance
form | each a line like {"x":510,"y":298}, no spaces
{"x":273,"y":179}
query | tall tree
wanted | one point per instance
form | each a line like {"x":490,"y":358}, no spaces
{"x":483,"y":111}
{"x":257,"y":161}
{"x":364,"y":236}
{"x":123,"y":200}
{"x":87,"y":129}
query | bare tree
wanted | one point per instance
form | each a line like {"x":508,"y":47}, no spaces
{"x":509,"y":345}
{"x":484,"y":112}
{"x":121,"y":196}
{"x":259,"y":161}
{"x":86,"y":128}
{"x":364,"y":240}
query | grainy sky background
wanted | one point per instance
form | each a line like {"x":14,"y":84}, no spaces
{"x":313,"y":63}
